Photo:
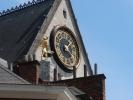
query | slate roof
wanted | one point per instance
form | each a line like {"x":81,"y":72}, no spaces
{"x":8,"y":77}
{"x":19,"y":27}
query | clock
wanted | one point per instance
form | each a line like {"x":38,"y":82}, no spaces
{"x":65,"y":47}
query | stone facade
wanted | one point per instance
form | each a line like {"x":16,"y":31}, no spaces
{"x":59,"y":20}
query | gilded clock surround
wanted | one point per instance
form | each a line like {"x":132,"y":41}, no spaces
{"x":66,"y":48}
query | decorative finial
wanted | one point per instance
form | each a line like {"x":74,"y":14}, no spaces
{"x":21,"y":6}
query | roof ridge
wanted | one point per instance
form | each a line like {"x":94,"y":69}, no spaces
{"x":21,"y":6}
{"x":10,"y":72}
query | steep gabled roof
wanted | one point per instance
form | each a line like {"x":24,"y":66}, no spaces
{"x":19,"y":27}
{"x":8,"y":77}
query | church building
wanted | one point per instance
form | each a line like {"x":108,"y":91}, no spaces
{"x":42,"y":55}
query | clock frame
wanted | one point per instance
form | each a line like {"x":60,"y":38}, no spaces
{"x":66,"y":49}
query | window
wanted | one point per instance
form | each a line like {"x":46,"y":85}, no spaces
{"x":65,"y":14}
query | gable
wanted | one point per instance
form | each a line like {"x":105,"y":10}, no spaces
{"x":58,"y":19}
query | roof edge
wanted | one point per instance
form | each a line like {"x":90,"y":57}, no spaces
{"x":20,"y":7}
{"x":49,"y":92}
{"x":98,"y":76}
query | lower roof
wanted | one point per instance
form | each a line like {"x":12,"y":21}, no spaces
{"x":35,"y":92}
{"x":8,"y":77}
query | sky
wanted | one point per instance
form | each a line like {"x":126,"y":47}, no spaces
{"x":107,"y":30}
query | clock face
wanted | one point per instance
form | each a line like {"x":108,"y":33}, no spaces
{"x":66,"y":48}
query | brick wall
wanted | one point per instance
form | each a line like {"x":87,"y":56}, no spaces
{"x":29,"y":71}
{"x":94,"y":86}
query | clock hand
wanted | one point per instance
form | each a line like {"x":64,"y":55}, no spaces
{"x":67,"y":50}
{"x":69,"y":44}
{"x":70,"y":54}
{"x":65,"y":47}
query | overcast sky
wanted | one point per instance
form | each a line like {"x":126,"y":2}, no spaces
{"x":107,"y":31}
